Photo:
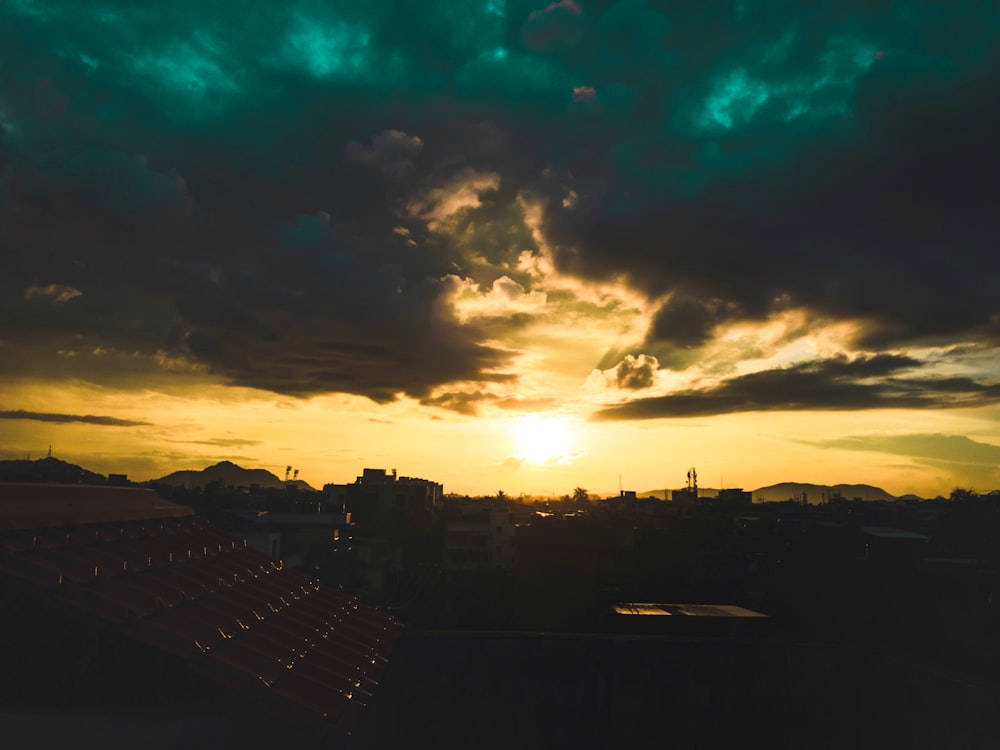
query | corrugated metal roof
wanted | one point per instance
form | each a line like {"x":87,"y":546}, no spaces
{"x":305,"y":651}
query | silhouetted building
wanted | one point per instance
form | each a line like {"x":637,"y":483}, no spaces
{"x":317,"y":542}
{"x":735,"y":497}
{"x":482,"y":539}
{"x":385,"y":500}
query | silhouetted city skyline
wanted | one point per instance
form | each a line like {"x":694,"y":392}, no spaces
{"x":519,"y":245}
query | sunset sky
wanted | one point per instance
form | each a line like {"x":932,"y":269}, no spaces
{"x":504,"y":245}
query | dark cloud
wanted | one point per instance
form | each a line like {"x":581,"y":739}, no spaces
{"x":881,"y":223}
{"x":838,"y":384}
{"x":468,"y":403}
{"x":557,"y":26}
{"x":957,"y":449}
{"x":463,"y":403}
{"x":67,"y":418}
{"x":686,"y":320}
{"x":631,"y":373}
{"x":392,"y":152}
{"x":223,"y":442}
{"x":226,"y":194}
{"x":636,"y":372}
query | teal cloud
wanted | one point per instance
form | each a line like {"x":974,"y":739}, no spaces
{"x":223,"y":179}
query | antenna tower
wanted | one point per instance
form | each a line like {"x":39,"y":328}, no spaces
{"x":693,"y":481}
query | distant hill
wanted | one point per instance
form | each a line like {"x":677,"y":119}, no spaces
{"x":48,"y":470}
{"x":230,"y":475}
{"x":815,"y":492}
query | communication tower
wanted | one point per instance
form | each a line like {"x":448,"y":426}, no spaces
{"x":693,"y":482}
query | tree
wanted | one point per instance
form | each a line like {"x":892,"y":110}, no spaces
{"x":581,"y":497}
{"x":960,"y":494}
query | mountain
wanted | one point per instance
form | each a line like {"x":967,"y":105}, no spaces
{"x":48,"y":470}
{"x":230,"y":475}
{"x":816,"y":492}
{"x":793,"y":491}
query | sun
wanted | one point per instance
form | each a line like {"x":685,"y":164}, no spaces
{"x":543,"y":440}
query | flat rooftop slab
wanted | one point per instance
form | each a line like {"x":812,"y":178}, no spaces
{"x":684,"y":610}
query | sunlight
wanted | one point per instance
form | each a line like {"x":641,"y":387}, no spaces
{"x":543,"y":440}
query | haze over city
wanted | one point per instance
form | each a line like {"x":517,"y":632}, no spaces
{"x":509,"y":246}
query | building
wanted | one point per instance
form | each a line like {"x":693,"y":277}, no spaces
{"x":318,"y":542}
{"x":382,"y":500}
{"x":481,"y":539}
{"x":735,"y":497}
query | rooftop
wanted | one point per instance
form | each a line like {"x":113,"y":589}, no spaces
{"x":155,"y":573}
{"x":25,"y":505}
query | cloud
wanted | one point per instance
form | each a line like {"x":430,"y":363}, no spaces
{"x":555,"y":27}
{"x":440,"y":206}
{"x":505,"y":297}
{"x":470,"y":402}
{"x":392,"y":152}
{"x":225,"y":195}
{"x":839,"y":384}
{"x":68,"y":418}
{"x":686,"y":320}
{"x":514,"y":403}
{"x":561,"y":5}
{"x":466,"y":403}
{"x":223,"y":442}
{"x":937,"y":447}
{"x":631,"y":373}
{"x":865,"y":243}
{"x":58,"y":293}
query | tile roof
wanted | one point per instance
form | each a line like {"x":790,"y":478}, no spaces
{"x":25,"y":505}
{"x":307,"y":652}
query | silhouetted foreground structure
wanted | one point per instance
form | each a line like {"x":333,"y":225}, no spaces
{"x":126,"y":622}
{"x":100,"y":580}
{"x":490,"y":690}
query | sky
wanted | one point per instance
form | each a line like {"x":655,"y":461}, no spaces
{"x":504,"y":245}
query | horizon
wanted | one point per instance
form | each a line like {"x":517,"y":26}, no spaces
{"x":518,"y":245}
{"x":318,"y":487}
